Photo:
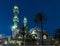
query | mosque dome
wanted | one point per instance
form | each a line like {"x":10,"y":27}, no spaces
{"x":38,"y":32}
{"x":35,"y":31}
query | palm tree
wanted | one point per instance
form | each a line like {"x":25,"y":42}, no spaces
{"x":57,"y":35}
{"x":39,"y":19}
{"x":23,"y":32}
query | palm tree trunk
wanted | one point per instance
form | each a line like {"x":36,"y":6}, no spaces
{"x":42,"y":32}
{"x":23,"y":41}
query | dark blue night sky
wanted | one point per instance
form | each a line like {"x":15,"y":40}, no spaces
{"x":29,"y":8}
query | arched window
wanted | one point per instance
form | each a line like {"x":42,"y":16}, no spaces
{"x":44,"y":36}
{"x":6,"y":42}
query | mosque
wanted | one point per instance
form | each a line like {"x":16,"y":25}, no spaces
{"x":21,"y":36}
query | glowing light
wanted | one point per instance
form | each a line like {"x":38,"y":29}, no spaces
{"x":14,"y":27}
{"x":44,"y":37}
{"x":20,"y":37}
{"x":25,"y":20}
{"x":6,"y":42}
{"x":34,"y":32}
{"x":15,"y":7}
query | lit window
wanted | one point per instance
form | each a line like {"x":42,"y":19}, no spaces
{"x":44,"y":37}
{"x":6,"y":42}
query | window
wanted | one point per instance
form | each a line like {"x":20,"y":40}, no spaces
{"x":44,"y":36}
{"x":6,"y":42}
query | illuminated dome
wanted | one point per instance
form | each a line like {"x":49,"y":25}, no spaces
{"x":38,"y":32}
{"x":35,"y":31}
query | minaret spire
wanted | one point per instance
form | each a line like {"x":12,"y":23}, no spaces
{"x":15,"y":20}
{"x":25,"y":21}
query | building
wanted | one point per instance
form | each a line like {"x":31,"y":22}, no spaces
{"x":20,"y":36}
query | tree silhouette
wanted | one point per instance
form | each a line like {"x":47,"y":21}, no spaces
{"x":57,"y":35}
{"x":39,"y":19}
{"x":33,"y":38}
{"x":23,"y":32}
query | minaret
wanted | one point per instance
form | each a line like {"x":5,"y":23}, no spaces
{"x":25,"y":25}
{"x":25,"y":21}
{"x":15,"y":20}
